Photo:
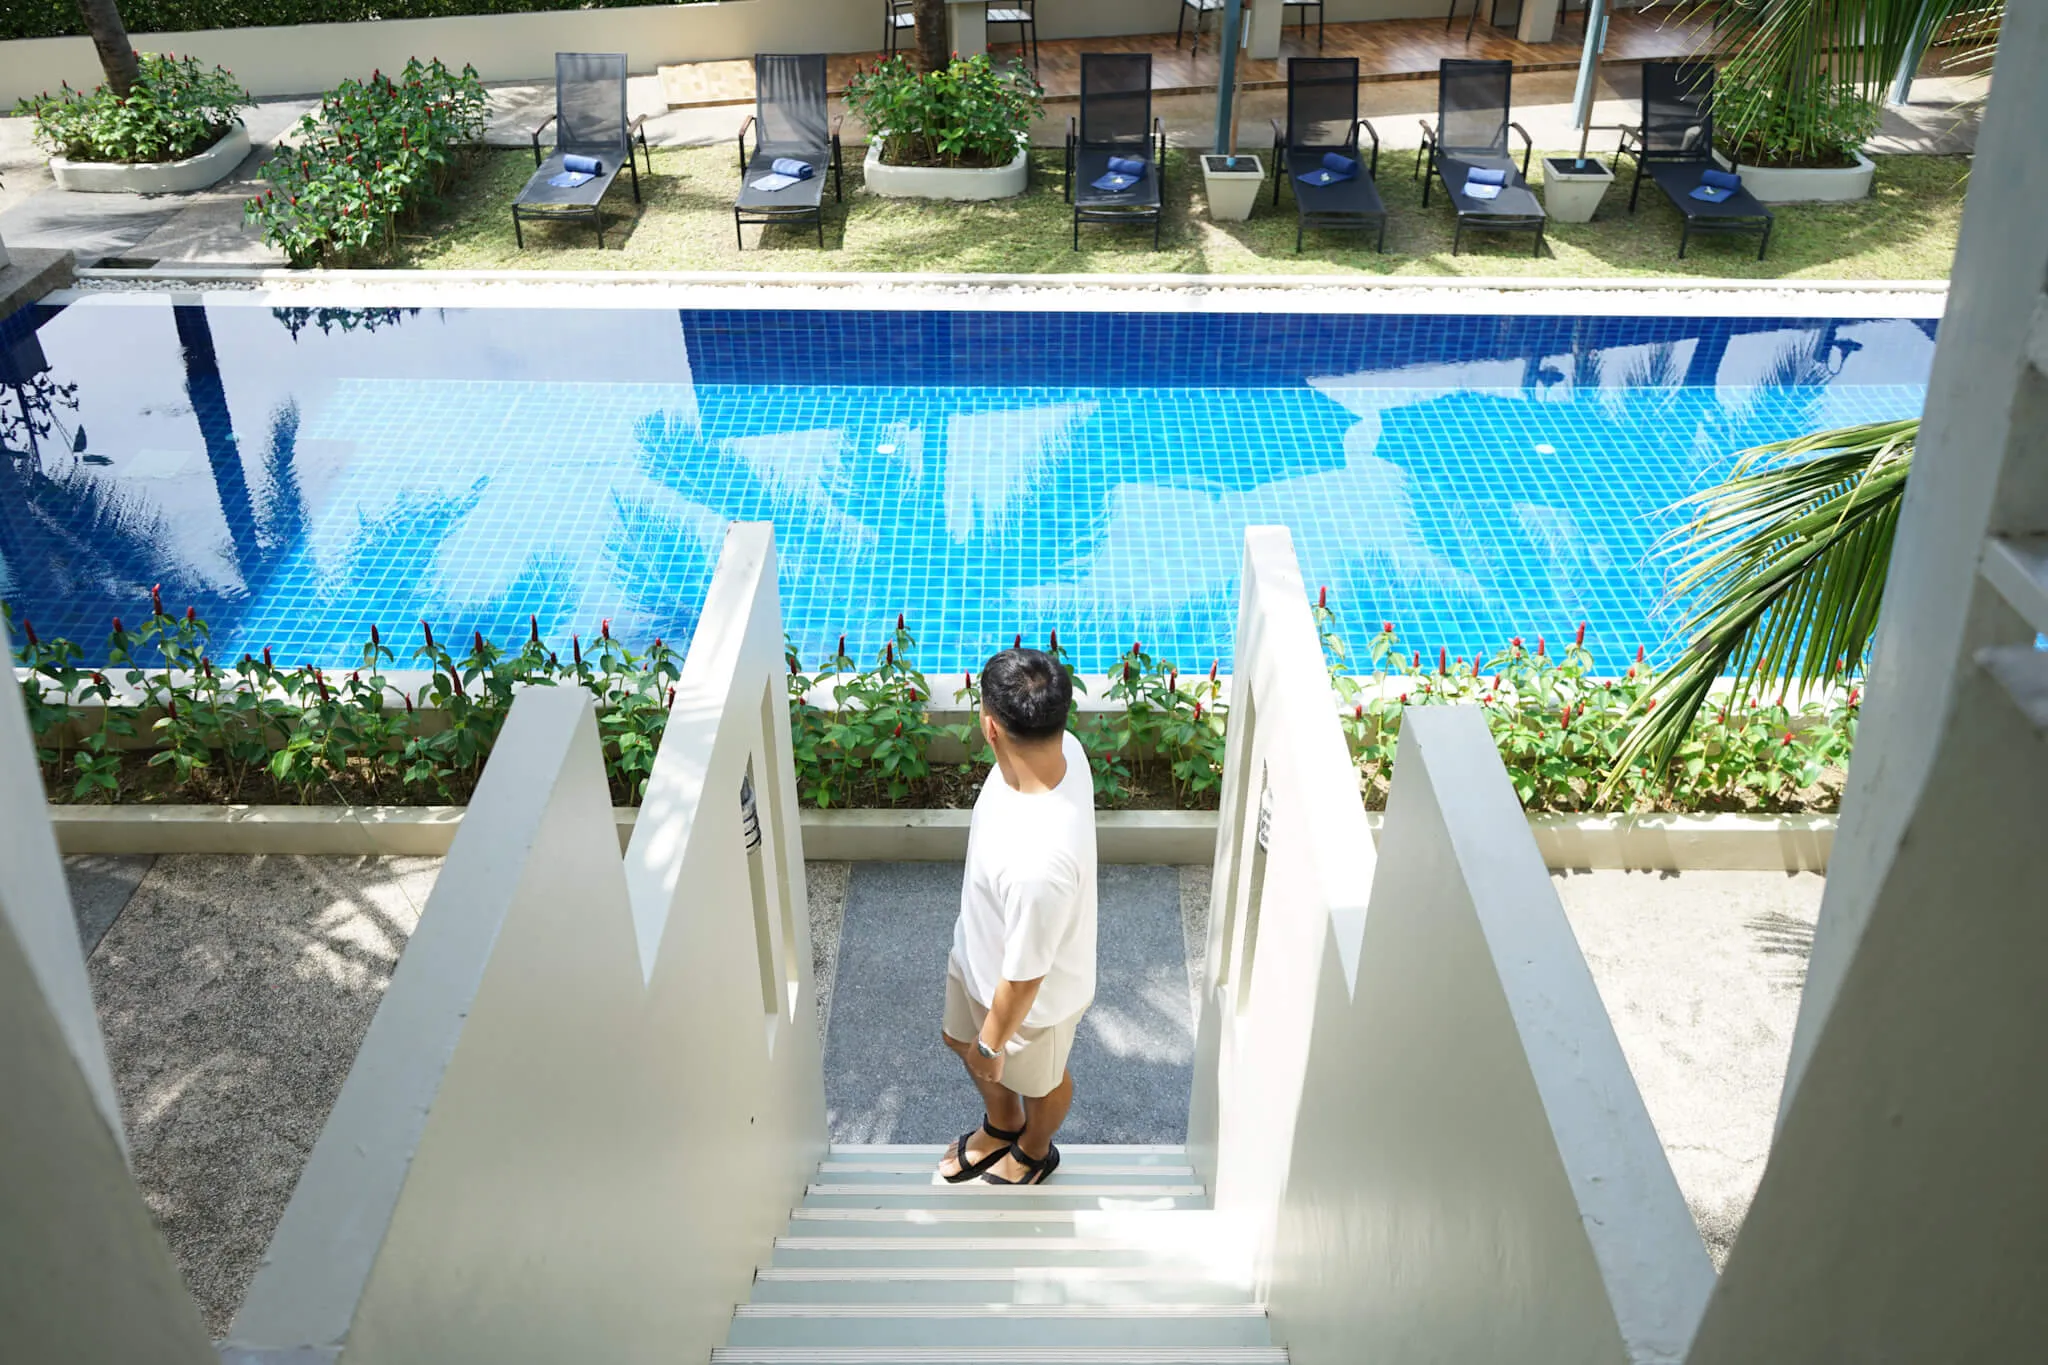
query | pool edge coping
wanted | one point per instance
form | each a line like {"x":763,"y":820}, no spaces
{"x":1648,"y":842}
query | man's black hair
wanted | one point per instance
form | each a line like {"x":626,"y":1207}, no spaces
{"x":1027,"y":692}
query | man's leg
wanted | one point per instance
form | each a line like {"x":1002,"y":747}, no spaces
{"x":1042,"y":1119}
{"x":1002,"y":1105}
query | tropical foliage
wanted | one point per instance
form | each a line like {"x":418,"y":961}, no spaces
{"x":1784,"y":564}
{"x":175,"y":108}
{"x":966,"y":112}
{"x":161,"y":720}
{"x":1801,"y":78}
{"x":375,"y":153}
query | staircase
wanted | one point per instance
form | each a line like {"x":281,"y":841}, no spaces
{"x":1117,"y":1260}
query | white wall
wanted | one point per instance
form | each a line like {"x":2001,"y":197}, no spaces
{"x":574,"y":1127}
{"x":1903,"y":1215}
{"x":1407,"y":1092}
{"x":84,"y":1275}
{"x":510,"y":47}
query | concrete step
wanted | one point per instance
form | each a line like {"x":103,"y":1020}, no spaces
{"x":919,"y":1170}
{"x":978,"y":1325}
{"x":1171,"y":1226}
{"x":1052,"y":1195}
{"x":999,"y":1355}
{"x":966,"y":1252}
{"x":1136,"y":1284}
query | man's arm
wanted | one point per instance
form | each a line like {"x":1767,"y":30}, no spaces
{"x":1005,"y":1016}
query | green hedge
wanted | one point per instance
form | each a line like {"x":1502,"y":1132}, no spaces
{"x":59,"y":18}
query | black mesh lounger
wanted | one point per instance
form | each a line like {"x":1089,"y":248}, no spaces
{"x":1116,"y":120}
{"x":1471,"y":133}
{"x":590,"y":120}
{"x":789,"y":119}
{"x":1322,"y":117}
{"x":1676,"y":143}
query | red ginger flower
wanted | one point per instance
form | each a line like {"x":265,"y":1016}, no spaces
{"x":156,"y":600}
{"x":899,"y":620}
{"x":1580,"y":641}
{"x":1055,"y":639}
{"x":533,"y":627}
{"x":1323,"y":596}
{"x":1018,"y":643}
{"x":28,"y":628}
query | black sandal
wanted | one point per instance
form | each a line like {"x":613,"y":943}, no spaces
{"x":968,"y":1172}
{"x":1037,"y":1169}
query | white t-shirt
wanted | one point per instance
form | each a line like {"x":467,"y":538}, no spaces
{"x":1027,"y":903}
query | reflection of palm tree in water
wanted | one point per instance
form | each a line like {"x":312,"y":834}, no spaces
{"x":899,"y":506}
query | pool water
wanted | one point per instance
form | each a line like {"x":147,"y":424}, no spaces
{"x":297,"y":474}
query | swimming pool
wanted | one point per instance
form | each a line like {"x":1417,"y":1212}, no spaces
{"x":299,"y":473}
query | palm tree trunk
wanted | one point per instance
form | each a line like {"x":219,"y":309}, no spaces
{"x":932,"y":52}
{"x":110,"y":38}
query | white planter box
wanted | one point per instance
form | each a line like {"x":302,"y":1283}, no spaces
{"x":1570,"y":194}
{"x":1232,"y":185}
{"x":3,"y":255}
{"x":1774,"y":185}
{"x":210,"y":167}
{"x":946,"y":182}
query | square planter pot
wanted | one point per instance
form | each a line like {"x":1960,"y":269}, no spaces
{"x":210,"y":167}
{"x":1232,"y":184}
{"x":1572,"y":190}
{"x":945,"y":182}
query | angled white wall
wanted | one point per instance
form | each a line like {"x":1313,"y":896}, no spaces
{"x":593,"y":1090}
{"x":1903,"y":1215}
{"x":84,"y":1275}
{"x":1408,"y":1095}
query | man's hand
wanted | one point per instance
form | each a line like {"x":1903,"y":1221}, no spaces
{"x":989,"y":1069}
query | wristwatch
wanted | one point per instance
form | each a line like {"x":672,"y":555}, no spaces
{"x":991,"y":1053}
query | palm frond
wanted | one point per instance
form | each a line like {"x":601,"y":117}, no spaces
{"x":1784,"y":563}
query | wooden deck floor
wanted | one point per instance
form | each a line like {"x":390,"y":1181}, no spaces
{"x":1388,"y":50}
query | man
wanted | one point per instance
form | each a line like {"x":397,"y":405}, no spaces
{"x":1022,"y":969}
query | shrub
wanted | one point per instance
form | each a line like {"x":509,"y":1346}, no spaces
{"x":375,"y":153}
{"x":1823,"y":125}
{"x":177,"y":109}
{"x":965,"y":114}
{"x":227,"y":733}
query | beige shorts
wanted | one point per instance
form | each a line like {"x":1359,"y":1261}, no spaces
{"x":1034,"y":1060}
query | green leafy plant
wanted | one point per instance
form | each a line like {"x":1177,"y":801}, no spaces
{"x":968,"y":112}
{"x":176,"y":109}
{"x":1800,"y":78}
{"x":1784,"y":563}
{"x":375,"y":153}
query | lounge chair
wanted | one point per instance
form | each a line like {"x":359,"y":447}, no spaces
{"x":789,"y":120}
{"x":1322,"y":117}
{"x":1471,"y":134}
{"x":1675,"y":143}
{"x":590,"y":121}
{"x":1116,"y":121}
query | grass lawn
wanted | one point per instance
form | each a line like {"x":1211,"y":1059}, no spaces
{"x":1907,"y":230}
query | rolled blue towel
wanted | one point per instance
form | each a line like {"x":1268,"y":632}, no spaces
{"x":583,"y":165}
{"x":1127,"y":165}
{"x":791,"y":167}
{"x":1486,"y":175}
{"x":1719,"y":179}
{"x":1339,"y":165}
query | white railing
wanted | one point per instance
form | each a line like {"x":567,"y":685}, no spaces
{"x":1407,"y":1091}
{"x":84,"y":1274}
{"x":593,"y":1089}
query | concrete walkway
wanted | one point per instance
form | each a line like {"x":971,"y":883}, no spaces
{"x":207,"y":227}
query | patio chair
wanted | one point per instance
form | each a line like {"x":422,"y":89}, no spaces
{"x":1322,"y":117}
{"x":1675,"y":144}
{"x":1301,"y":8}
{"x":789,"y":120}
{"x":1116,"y":121}
{"x":1203,"y":9}
{"x":1471,"y":134}
{"x":1024,"y":14}
{"x":590,"y":121}
{"x":897,"y":15}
